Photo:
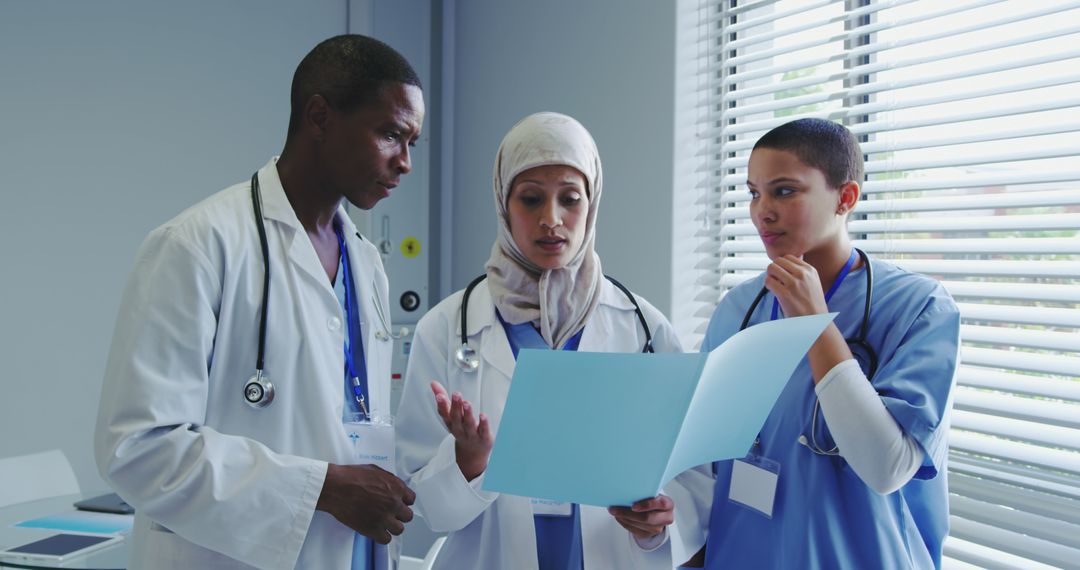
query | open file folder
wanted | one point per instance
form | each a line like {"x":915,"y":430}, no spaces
{"x":613,"y":428}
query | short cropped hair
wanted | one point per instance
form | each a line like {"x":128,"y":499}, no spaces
{"x":347,"y":70}
{"x":825,"y":145}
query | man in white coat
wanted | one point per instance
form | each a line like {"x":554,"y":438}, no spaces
{"x":232,"y":468}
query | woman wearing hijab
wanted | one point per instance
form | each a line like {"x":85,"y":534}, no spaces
{"x":542,"y":288}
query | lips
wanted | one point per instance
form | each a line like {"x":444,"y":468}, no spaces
{"x":551,"y":243}
{"x":768,"y":238}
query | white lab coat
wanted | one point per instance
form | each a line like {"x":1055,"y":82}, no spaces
{"x":493,"y":531}
{"x":215,"y":483}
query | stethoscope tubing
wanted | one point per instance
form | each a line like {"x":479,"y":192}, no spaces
{"x":256,"y":199}
{"x":471,"y":366}
{"x":861,"y":338}
{"x":859,"y":341}
{"x":260,"y":359}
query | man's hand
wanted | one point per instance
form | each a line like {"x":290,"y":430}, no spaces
{"x":647,"y":517}
{"x":473,"y":438}
{"x":367,"y":499}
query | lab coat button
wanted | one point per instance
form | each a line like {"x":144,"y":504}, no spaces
{"x":334,"y":323}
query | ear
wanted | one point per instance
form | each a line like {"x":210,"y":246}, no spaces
{"x":316,"y":116}
{"x":849,"y":197}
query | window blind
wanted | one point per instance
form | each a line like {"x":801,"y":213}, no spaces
{"x":969,"y":120}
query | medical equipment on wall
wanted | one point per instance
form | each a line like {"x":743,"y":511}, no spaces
{"x":468,"y":360}
{"x":861,"y":350}
{"x":259,"y":390}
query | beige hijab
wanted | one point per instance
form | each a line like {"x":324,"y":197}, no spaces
{"x":560,"y":300}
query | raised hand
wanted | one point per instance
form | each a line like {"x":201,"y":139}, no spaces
{"x":796,"y":285}
{"x":367,"y":499}
{"x":472,"y":435}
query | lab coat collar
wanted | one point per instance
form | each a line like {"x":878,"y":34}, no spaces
{"x":276,"y":207}
{"x":594,"y":339}
{"x":482,"y":307}
{"x":495,"y":348}
{"x":611,"y":296}
{"x":481,"y":310}
{"x":369,"y":279}
{"x":275,"y":204}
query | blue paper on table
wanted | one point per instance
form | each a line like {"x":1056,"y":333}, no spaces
{"x":82,"y":522}
{"x":613,"y":428}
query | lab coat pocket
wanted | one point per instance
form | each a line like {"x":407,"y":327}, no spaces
{"x":166,"y":550}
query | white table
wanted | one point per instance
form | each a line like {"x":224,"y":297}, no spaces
{"x":111,"y":557}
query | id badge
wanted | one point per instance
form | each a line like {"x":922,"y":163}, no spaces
{"x":753,"y":483}
{"x":372,"y":440}
{"x":546,"y":508}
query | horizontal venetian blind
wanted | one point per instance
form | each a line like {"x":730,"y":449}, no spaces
{"x":969,"y":119}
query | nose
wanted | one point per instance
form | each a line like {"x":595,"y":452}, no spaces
{"x":761,"y":211}
{"x":550,"y":215}
{"x":403,"y":160}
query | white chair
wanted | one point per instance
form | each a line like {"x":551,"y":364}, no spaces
{"x":413,"y":563}
{"x":25,"y":478}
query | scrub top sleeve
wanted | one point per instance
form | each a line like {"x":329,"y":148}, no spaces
{"x":915,"y":383}
{"x":709,"y":341}
{"x":726,"y":319}
{"x":714,"y":336}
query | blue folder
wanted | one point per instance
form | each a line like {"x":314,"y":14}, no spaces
{"x":610,"y":429}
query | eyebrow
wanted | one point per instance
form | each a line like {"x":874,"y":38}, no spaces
{"x":405,"y":128}
{"x":565,"y":182}
{"x":777,"y":181}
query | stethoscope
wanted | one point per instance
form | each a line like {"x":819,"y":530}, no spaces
{"x":468,"y":360}
{"x":860,"y":349}
{"x":259,"y":390}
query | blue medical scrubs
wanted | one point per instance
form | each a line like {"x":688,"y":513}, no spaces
{"x":558,"y":538}
{"x":824,"y":516}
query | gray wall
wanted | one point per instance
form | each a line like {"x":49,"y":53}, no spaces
{"x":114,"y":116}
{"x":608,"y":64}
{"x":117,"y":114}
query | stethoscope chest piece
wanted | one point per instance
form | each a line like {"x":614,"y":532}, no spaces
{"x":259,"y":391}
{"x":466,"y":358}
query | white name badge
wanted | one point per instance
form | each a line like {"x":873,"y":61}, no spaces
{"x":372,"y":441}
{"x":546,"y":508}
{"x":753,"y":483}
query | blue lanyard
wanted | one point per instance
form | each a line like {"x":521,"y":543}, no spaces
{"x":571,"y":343}
{"x":828,"y":294}
{"x":357,"y":377}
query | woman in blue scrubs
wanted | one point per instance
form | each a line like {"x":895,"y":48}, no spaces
{"x":849,"y":470}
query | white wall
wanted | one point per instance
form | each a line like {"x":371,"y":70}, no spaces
{"x":114,"y":116}
{"x":610,"y":65}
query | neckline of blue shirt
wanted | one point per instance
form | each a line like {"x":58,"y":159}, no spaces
{"x":352,"y":318}
{"x":832,"y":289}
{"x":571,"y":343}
